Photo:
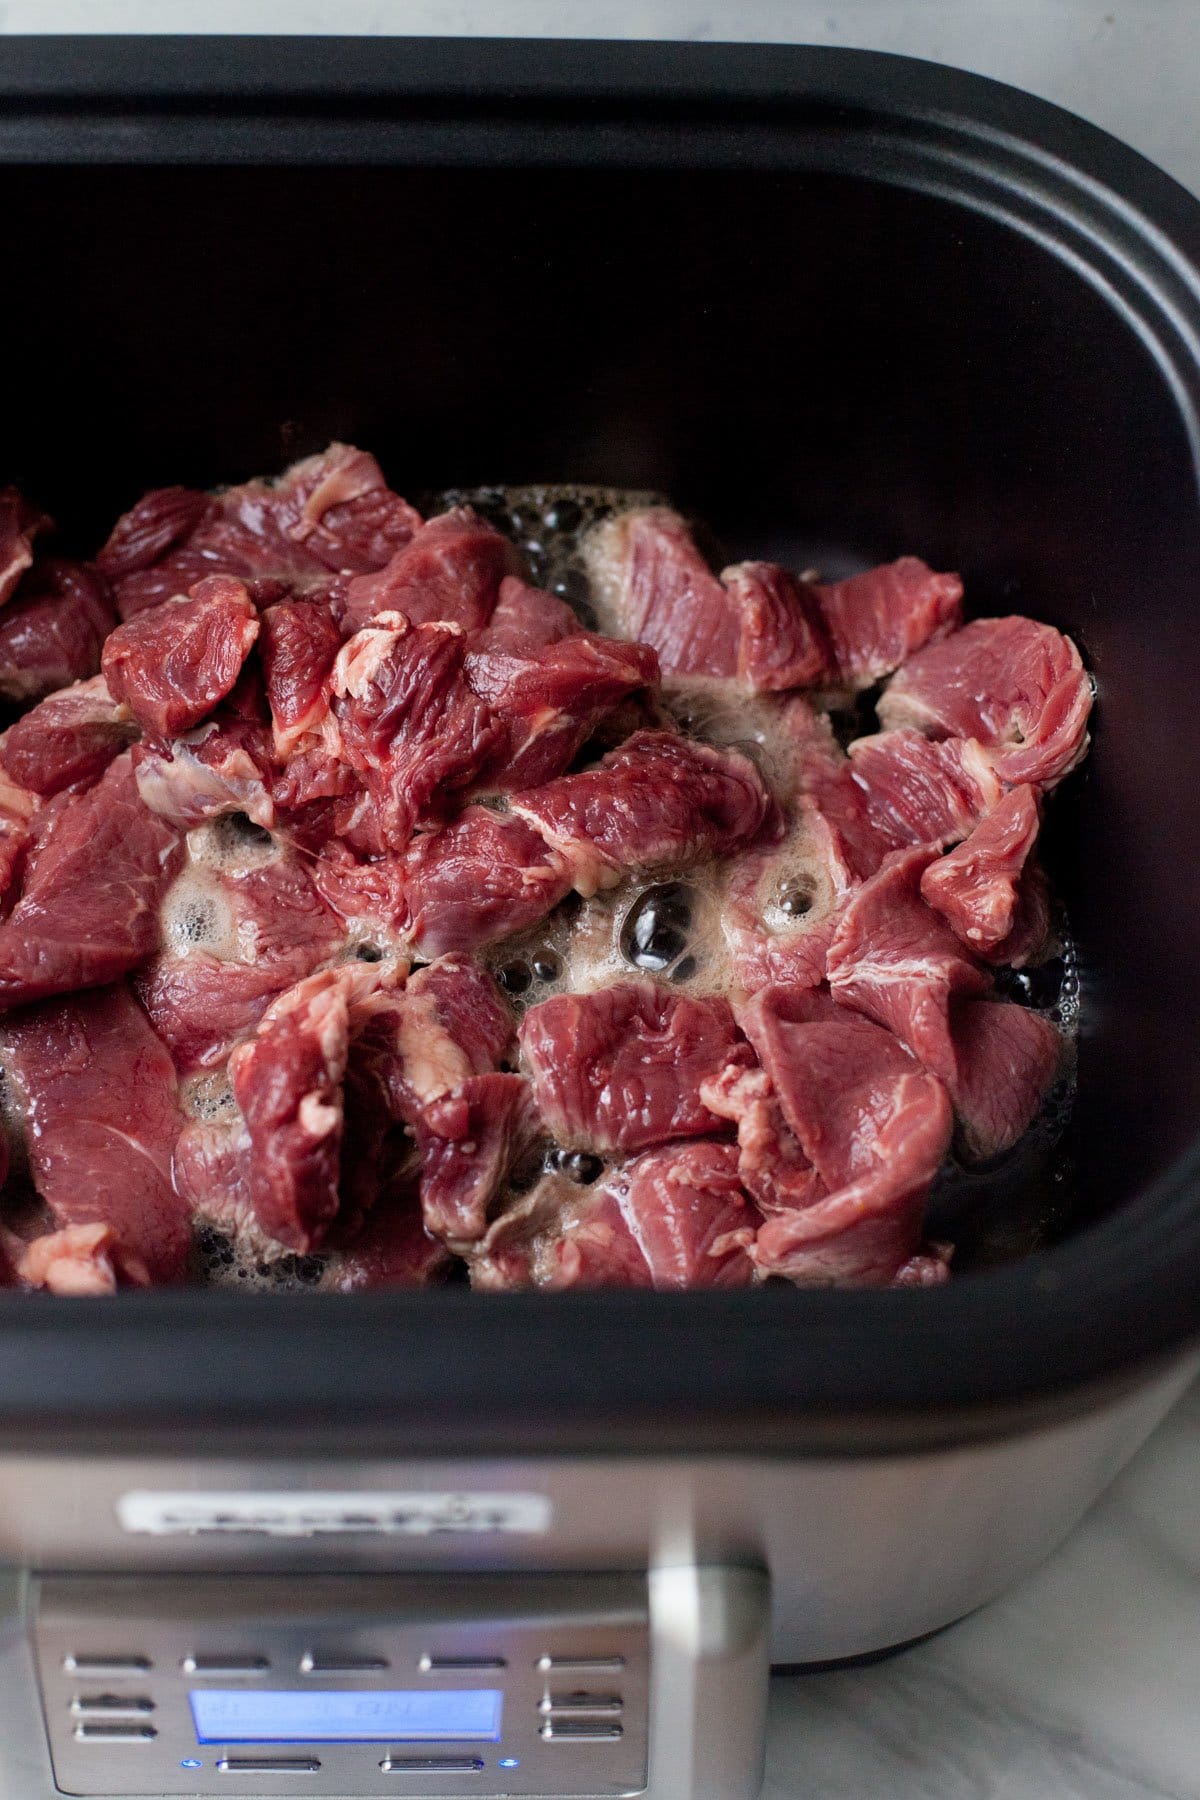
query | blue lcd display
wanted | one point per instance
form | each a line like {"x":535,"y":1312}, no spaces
{"x":347,"y":1716}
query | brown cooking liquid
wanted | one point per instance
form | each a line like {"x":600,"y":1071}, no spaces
{"x":991,"y":1212}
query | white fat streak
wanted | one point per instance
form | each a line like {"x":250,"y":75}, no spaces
{"x":603,"y":554}
{"x":363,"y":655}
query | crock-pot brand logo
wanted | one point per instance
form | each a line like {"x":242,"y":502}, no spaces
{"x":297,"y":1515}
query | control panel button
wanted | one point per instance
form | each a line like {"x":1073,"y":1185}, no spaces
{"x":115,"y":1734}
{"x":595,"y":1705}
{"x":268,"y":1765}
{"x":593,"y":1665}
{"x":313,"y":1664}
{"x":459,"y":1665}
{"x":109,"y":1706}
{"x":224,"y":1665}
{"x":432,"y":1765}
{"x":579,"y":1731}
{"x":94,"y":1662}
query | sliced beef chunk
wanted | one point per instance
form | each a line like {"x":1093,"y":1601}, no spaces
{"x":20,"y":524}
{"x":876,"y":620}
{"x":772,"y":1166}
{"x":173,"y":667}
{"x":326,"y":514}
{"x":449,"y":573}
{"x":239,"y":926}
{"x":551,"y":699}
{"x":782,"y":903}
{"x":658,"y":802}
{"x":482,"y":878}
{"x":1006,"y":1058}
{"x":622,"y":1068}
{"x":896,"y":960}
{"x":393,"y":1249}
{"x":223,"y":766}
{"x":525,"y":621}
{"x":467,"y":1143}
{"x":452,"y":1024}
{"x":1030,"y":938}
{"x":17,"y":809}
{"x":89,"y":909}
{"x":1017,"y":686}
{"x":288,"y":1083}
{"x":918,"y":792}
{"x":300,"y":642}
{"x":98,"y":1098}
{"x":976,"y":886}
{"x":874,"y":1125}
{"x":756,"y":625}
{"x":68,"y":740}
{"x":53,"y":631}
{"x":409,"y":722}
{"x":672,"y":1218}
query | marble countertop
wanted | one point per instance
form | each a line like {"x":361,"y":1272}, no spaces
{"x":1083,"y":1683}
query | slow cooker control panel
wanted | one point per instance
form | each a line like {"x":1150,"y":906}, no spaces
{"x":345,"y":1685}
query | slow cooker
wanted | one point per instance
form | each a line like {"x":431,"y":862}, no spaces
{"x":842,"y":306}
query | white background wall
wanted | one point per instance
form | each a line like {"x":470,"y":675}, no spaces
{"x":1130,"y":65}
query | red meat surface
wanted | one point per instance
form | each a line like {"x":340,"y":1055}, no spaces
{"x":525,"y":621}
{"x":918,"y":792}
{"x":300,"y":642}
{"x":782,"y":903}
{"x":1017,"y":686}
{"x":976,"y":887}
{"x":173,"y":668}
{"x":327,"y":514}
{"x":450,"y":572}
{"x":20,"y":524}
{"x":874,"y":1125}
{"x":896,"y":960}
{"x":97,"y":1099}
{"x":467,"y":1142}
{"x":658,"y":802}
{"x":876,"y":620}
{"x":550,"y":699}
{"x":622,"y":1068}
{"x":68,"y":740}
{"x":409,"y":722}
{"x":288,"y":1083}
{"x":672,"y":1218}
{"x":89,"y":907}
{"x":480,"y":879}
{"x":53,"y":631}
{"x":223,"y":766}
{"x":1006,"y":1058}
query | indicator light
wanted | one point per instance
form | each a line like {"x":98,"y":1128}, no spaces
{"x":510,"y":1762}
{"x":191,"y":1762}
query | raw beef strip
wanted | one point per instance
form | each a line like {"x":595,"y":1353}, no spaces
{"x":918,"y":792}
{"x":658,"y":802}
{"x":98,"y":1097}
{"x":782,"y":902}
{"x":235,"y":937}
{"x":450,"y":572}
{"x":68,"y":740}
{"x":896,"y":960}
{"x":872,"y":1122}
{"x":467,"y":1142}
{"x":1006,"y":1059}
{"x":89,"y":910}
{"x":409,"y":723}
{"x":17,"y":808}
{"x":1016,"y":685}
{"x":223,"y":766}
{"x":525,"y":621}
{"x":877,"y":619}
{"x":772,"y":1167}
{"x":52,"y":632}
{"x":20,"y":524}
{"x":672,"y":1218}
{"x":326,"y":514}
{"x":551,"y":700}
{"x":300,"y":641}
{"x":176,"y":663}
{"x":482,"y":878}
{"x":211,"y":1165}
{"x":975,"y":887}
{"x":1029,"y":939}
{"x":452,"y":1024}
{"x":288,"y":1083}
{"x":621,"y":1069}
{"x":756,"y":625}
